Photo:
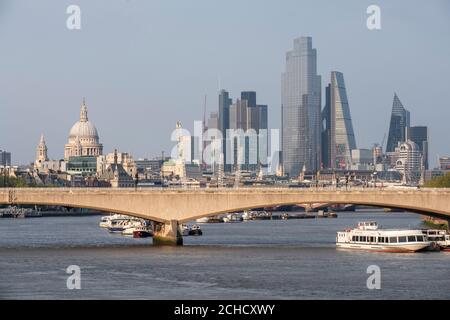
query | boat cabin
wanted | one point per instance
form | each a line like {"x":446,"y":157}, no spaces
{"x":368,"y":225}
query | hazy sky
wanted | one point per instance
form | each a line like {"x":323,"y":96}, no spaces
{"x":143,"y":65}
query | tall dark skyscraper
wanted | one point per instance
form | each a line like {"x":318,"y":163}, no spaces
{"x":400,"y":120}
{"x":301,"y":109}
{"x":419,"y":135}
{"x":250,"y":97}
{"x":5,"y":158}
{"x":224,"y":122}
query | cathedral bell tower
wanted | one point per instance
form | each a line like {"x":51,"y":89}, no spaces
{"x":41,"y":154}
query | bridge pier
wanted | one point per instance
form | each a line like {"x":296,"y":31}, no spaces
{"x":167,"y":234}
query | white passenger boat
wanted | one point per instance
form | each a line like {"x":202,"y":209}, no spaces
{"x":105,"y":221}
{"x":439,"y":237}
{"x":214,"y":219}
{"x":232,"y":217}
{"x":203,"y":220}
{"x":118,"y":225}
{"x":367,"y":236}
{"x":248,"y":215}
{"x":445,"y":246}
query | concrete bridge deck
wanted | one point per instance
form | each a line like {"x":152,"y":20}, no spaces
{"x":171,"y":207}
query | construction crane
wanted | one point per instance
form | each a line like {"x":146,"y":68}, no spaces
{"x":382,"y":142}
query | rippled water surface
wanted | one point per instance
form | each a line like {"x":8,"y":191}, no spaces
{"x":294,"y":259}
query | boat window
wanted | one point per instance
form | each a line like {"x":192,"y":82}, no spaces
{"x":393,"y":240}
{"x":419,"y":238}
{"x":402,"y":239}
{"x":364,"y":239}
{"x":381,"y":239}
{"x":354,"y":238}
{"x":411,"y":238}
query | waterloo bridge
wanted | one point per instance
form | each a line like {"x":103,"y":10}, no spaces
{"x":169,"y":208}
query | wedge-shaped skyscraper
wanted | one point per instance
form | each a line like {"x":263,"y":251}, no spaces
{"x":338,"y":134}
{"x":400,"y":120}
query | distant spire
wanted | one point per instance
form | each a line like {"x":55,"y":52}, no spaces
{"x":204,"y":114}
{"x":42,"y":140}
{"x":83,"y":112}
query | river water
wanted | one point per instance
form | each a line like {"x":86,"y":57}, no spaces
{"x":294,"y":259}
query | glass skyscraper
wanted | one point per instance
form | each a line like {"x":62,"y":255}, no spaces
{"x":419,"y":135}
{"x":400,"y":120}
{"x":224,"y":123}
{"x":342,"y":137}
{"x":244,"y":114}
{"x":301,"y":109}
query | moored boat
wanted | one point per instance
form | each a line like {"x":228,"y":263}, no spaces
{"x":121,"y":223}
{"x":214,"y":219}
{"x":118,"y":225}
{"x":446,"y":244}
{"x":194,"y":230}
{"x":142,"y":232}
{"x":261,"y":215}
{"x":326,"y":214}
{"x":367,"y":236}
{"x":105,"y":221}
{"x":232,"y":217}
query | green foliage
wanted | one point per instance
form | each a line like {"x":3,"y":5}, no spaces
{"x":435,"y":225}
{"x":439,"y":182}
{"x":13,"y":182}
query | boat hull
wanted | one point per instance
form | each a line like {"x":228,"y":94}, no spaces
{"x":115,"y":229}
{"x":142,"y":234}
{"x":406,"y":248}
{"x":195,"y":233}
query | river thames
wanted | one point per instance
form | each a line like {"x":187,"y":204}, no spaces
{"x":294,"y":259}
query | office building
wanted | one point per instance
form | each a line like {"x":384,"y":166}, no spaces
{"x":408,"y":161}
{"x":301,"y":109}
{"x":419,"y":134}
{"x":5,"y":158}
{"x":400,"y":120}
{"x":338,"y":131}
{"x":444,"y":163}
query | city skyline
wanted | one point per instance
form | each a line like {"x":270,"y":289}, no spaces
{"x":55,"y":85}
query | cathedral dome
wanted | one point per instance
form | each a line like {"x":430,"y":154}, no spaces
{"x":84,"y":129}
{"x":83,"y":138}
